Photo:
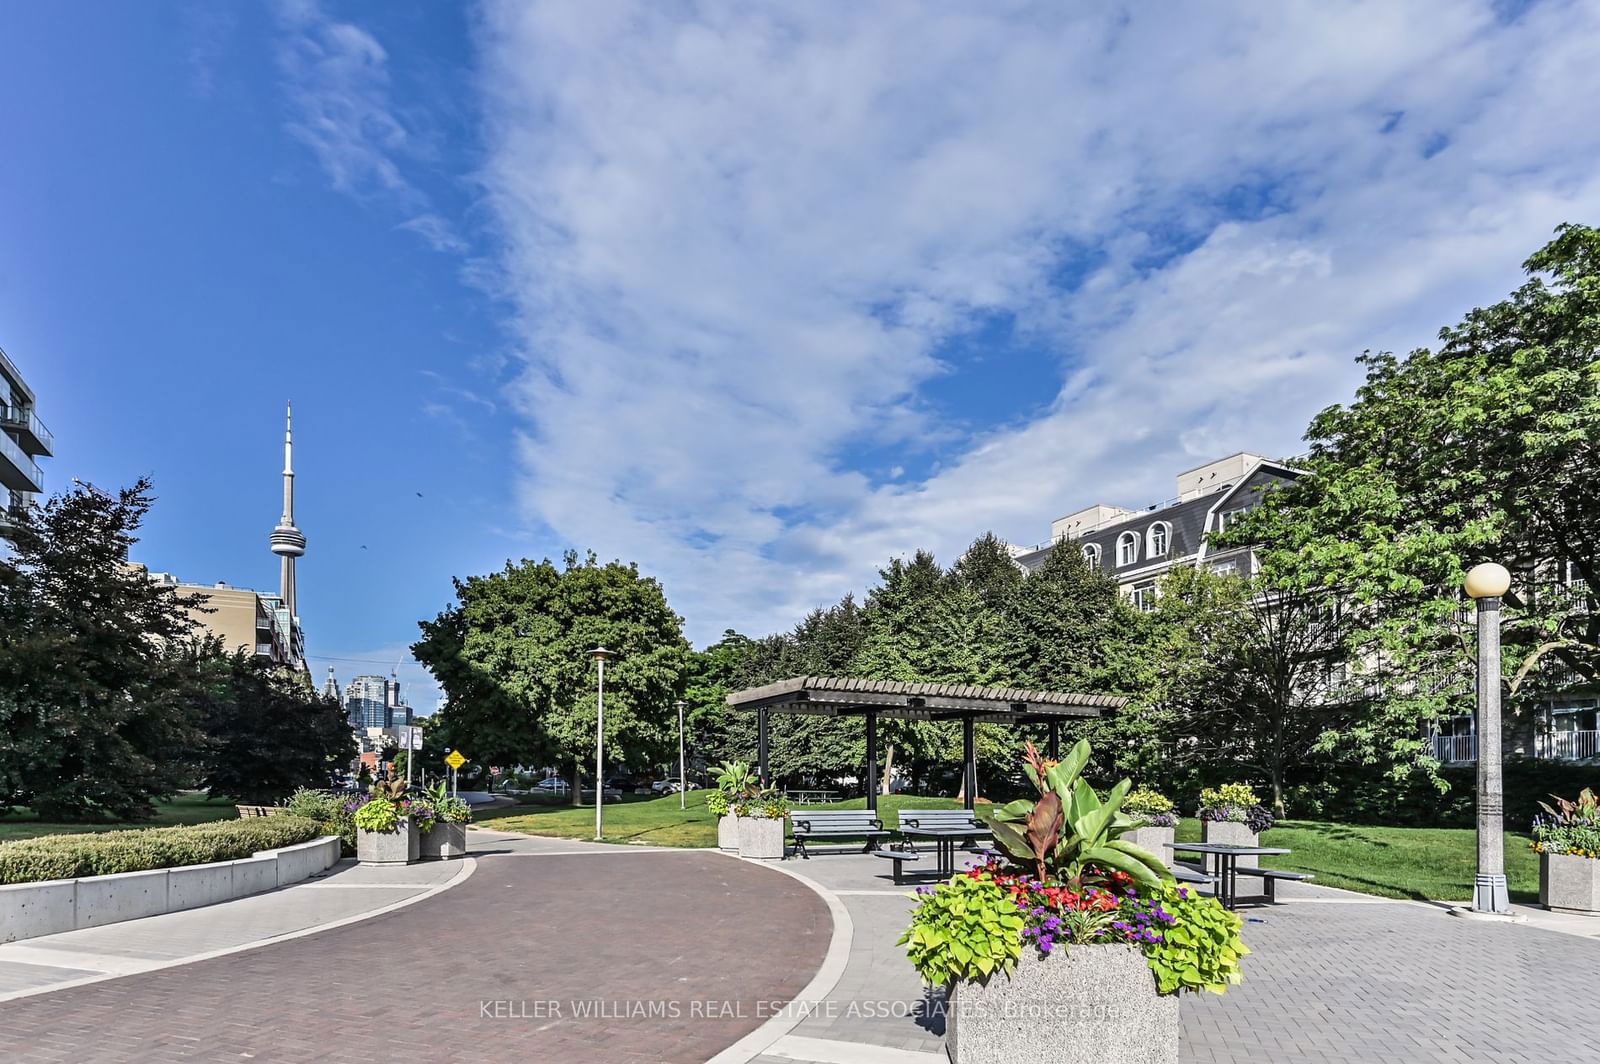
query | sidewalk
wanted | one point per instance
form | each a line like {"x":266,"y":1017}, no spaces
{"x":345,"y":893}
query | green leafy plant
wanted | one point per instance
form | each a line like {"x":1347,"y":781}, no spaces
{"x":1229,"y":794}
{"x":1069,"y":829}
{"x":1151,"y":808}
{"x":1201,"y":948}
{"x":448,"y":808}
{"x":379,"y":814}
{"x":718,"y":804}
{"x":1571,"y":828}
{"x":737,"y":780}
{"x":965,"y":929}
{"x":331,"y":811}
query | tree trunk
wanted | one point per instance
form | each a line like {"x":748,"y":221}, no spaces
{"x":1276,"y":773}
{"x":577,"y":781}
{"x":888,"y":771}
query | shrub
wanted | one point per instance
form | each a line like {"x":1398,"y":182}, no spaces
{"x":332,"y":811}
{"x":107,"y":852}
{"x":718,"y":804}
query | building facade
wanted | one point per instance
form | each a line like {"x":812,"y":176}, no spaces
{"x":242,"y":618}
{"x":23,"y":440}
{"x":1139,"y":547}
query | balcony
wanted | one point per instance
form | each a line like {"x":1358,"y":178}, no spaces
{"x":17,"y":471}
{"x":31,"y":433}
{"x":1572,"y":745}
{"x":1455,"y":749}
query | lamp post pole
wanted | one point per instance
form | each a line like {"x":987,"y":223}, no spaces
{"x":683,"y":797}
{"x":600,"y":654}
{"x":1485,"y":584}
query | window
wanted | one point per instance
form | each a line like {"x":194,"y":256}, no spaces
{"x":1091,"y":554}
{"x":1127,"y":548}
{"x":1143,"y":596}
{"x":1228,"y":517}
{"x":1156,"y":540}
{"x":1228,"y":568}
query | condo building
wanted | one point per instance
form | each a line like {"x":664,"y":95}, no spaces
{"x":23,"y":440}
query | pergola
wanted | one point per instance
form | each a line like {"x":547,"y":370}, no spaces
{"x":829,"y":696}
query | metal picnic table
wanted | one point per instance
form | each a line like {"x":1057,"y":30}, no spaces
{"x":1225,"y":873}
{"x":809,"y":797}
{"x":944,"y":837}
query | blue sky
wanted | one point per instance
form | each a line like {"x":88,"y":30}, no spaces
{"x":757,"y":296}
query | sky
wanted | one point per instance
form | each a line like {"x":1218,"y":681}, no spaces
{"x":757,"y":296}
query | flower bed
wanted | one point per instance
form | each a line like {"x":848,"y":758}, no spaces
{"x":1567,"y":839}
{"x":139,"y":850}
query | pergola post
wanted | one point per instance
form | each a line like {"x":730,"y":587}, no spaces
{"x":969,"y":762}
{"x":761,"y":747}
{"x":872,"y":760}
{"x":1053,"y":746}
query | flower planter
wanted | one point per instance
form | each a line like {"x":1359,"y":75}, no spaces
{"x":1153,"y":839}
{"x":444,"y":841}
{"x":1569,"y":884}
{"x":1079,"y":1005}
{"x":1229,"y":833}
{"x":728,"y":832}
{"x":761,"y":837}
{"x":400,"y":846}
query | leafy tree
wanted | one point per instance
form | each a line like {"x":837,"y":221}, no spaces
{"x":1483,"y":448}
{"x":512,"y":655}
{"x":267,"y":732}
{"x":91,"y":723}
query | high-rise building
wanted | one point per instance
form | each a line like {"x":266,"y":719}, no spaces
{"x":374,"y":703}
{"x":23,"y":438}
{"x":330,"y":687}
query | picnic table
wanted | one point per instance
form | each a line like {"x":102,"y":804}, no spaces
{"x":1225,"y":870}
{"x":945,"y":827}
{"x":813,"y":797}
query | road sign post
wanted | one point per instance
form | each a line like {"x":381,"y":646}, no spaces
{"x":455,"y":760}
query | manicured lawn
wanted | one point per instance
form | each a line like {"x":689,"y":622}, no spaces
{"x":659,"y":821}
{"x":1422,"y":863}
{"x":186,"y":808}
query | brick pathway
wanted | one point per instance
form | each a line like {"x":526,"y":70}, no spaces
{"x":487,"y":971}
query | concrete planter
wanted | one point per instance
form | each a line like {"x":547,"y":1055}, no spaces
{"x":761,"y":837}
{"x":1153,"y":839}
{"x":1079,"y":1005}
{"x":728,"y":832}
{"x":1569,"y":884}
{"x":444,"y":842}
{"x":400,"y":846}
{"x":1228,"y":833}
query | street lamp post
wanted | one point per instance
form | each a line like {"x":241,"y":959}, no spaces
{"x":1486,"y":583}
{"x":600,"y":654}
{"x":683,"y":798}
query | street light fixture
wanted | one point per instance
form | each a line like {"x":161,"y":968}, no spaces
{"x":1486,"y":583}
{"x":683,"y":798}
{"x":600,"y":654}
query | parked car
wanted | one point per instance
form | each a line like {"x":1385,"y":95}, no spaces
{"x":553,"y":785}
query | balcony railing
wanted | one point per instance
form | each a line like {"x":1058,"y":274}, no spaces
{"x":1572,"y":745}
{"x":1455,"y":749}
{"x":17,"y":471}
{"x":35,"y":437}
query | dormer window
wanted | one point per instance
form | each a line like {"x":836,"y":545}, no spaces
{"x":1127,"y":548}
{"x":1091,"y":554}
{"x":1157,"y":540}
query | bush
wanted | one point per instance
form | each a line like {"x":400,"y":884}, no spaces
{"x":108,"y":852}
{"x":330,"y":810}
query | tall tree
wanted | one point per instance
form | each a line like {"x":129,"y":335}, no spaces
{"x":512,"y":655}
{"x":1483,"y":448}
{"x":90,"y":722}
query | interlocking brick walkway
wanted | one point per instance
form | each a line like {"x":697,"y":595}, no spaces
{"x":486,"y":971}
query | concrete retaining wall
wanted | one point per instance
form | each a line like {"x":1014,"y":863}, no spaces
{"x":28,"y":910}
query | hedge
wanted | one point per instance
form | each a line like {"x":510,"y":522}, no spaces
{"x":107,"y":852}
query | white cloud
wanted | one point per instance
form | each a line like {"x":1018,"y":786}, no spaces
{"x":739,"y":240}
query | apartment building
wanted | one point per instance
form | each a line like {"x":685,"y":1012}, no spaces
{"x":23,"y":440}
{"x":244,"y":619}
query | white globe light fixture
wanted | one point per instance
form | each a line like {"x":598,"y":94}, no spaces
{"x":1489,"y":580}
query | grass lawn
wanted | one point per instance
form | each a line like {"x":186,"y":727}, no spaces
{"x":1422,"y":863}
{"x":642,"y":820}
{"x":189,"y":807}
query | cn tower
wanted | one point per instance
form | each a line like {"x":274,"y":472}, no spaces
{"x":288,"y":542}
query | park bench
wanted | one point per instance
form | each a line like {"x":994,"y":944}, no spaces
{"x":942,"y":822}
{"x":1270,"y":877}
{"x":835,"y":824}
{"x":258,"y":810}
{"x":1187,"y":873}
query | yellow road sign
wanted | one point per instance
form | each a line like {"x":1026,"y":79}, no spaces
{"x":455,"y":760}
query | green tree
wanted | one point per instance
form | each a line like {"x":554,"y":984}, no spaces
{"x":512,"y":655}
{"x":1483,"y":448}
{"x":91,"y":723}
